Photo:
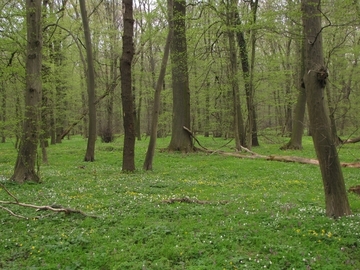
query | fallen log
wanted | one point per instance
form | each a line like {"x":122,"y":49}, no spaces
{"x":189,"y":200}
{"x":293,"y":159}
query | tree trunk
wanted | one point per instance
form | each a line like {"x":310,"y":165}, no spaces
{"x":107,"y":132}
{"x":238,"y":119}
{"x":128,"y":163}
{"x":252,"y":118}
{"x":90,"y":150}
{"x":156,"y":107}
{"x":248,"y":74}
{"x":315,"y":79}
{"x":3,"y":113}
{"x":332,"y":111}
{"x":295,"y":142}
{"x":287,"y":128}
{"x":27,"y":155}
{"x":180,"y":138}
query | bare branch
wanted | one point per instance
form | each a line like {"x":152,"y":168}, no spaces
{"x":8,"y":192}
{"x":12,"y":213}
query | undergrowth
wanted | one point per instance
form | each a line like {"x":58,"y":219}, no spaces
{"x":254,"y":214}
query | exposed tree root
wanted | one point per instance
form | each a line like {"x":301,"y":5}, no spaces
{"x":53,"y":208}
{"x":188,"y":200}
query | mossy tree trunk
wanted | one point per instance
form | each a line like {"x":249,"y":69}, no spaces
{"x":27,"y":154}
{"x":315,"y":77}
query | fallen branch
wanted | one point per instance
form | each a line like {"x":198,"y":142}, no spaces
{"x":193,"y":136}
{"x":188,"y":200}
{"x":354,"y":140}
{"x":11,"y":212}
{"x":54,"y":207}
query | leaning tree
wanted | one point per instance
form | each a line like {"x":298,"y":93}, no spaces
{"x":315,"y":79}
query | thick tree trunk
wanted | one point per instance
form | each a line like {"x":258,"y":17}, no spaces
{"x":128,"y":163}
{"x":90,"y":150}
{"x":27,"y":155}
{"x":315,"y":79}
{"x":180,"y":138}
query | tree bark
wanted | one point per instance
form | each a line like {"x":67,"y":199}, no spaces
{"x":156,"y":107}
{"x":128,"y":163}
{"x":27,"y":155}
{"x":248,"y":77}
{"x":336,"y":200}
{"x":3,"y":112}
{"x":180,"y":139}
{"x":239,"y":129}
{"x":107,"y":132}
{"x":295,"y":141}
{"x":90,"y":150}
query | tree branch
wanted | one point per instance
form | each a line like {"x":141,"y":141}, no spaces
{"x":54,"y":207}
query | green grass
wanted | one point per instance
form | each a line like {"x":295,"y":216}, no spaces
{"x":274,"y":215}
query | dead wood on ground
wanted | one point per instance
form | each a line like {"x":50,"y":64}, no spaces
{"x":189,"y":200}
{"x":355,"y":189}
{"x":293,"y":159}
{"x":53,"y":208}
{"x":354,"y":140}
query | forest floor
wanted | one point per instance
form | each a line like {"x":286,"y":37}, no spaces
{"x":193,"y":211}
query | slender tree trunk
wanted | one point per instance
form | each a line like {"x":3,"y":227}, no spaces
{"x":90,"y":150}
{"x":248,"y":75}
{"x":156,"y":107}
{"x":128,"y":163}
{"x":52,"y":127}
{"x":252,"y":118}
{"x":295,"y":142}
{"x":3,"y":112}
{"x":238,"y":119}
{"x":180,"y":138}
{"x":60,"y":89}
{"x":107,"y":132}
{"x":316,"y":74}
{"x":27,"y":155}
{"x":287,"y":128}
{"x":19,"y":122}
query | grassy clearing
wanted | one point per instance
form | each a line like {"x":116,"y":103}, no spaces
{"x":273,"y":218}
